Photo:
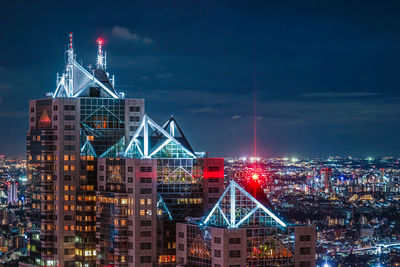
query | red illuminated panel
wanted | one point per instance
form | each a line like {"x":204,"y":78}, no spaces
{"x":44,"y":120}
{"x":213,"y":168}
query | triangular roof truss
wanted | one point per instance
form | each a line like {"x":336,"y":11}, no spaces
{"x":236,"y":208}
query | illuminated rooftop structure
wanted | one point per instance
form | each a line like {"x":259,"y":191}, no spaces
{"x":236,"y":208}
{"x":240,"y":231}
{"x":153,"y":141}
{"x":76,"y":81}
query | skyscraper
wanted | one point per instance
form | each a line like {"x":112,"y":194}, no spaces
{"x":12,"y":196}
{"x":241,"y":231}
{"x":84,"y":119}
{"x":326,"y":179}
{"x":107,"y":183}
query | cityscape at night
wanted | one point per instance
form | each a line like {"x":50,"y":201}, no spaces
{"x":205,"y":134}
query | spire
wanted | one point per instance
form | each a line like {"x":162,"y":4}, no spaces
{"x":69,"y":70}
{"x":101,"y":58}
{"x":70,"y":51}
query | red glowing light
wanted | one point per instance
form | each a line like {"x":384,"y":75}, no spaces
{"x":255,"y":176}
{"x":100,"y":41}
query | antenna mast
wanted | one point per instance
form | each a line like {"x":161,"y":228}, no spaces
{"x":69,"y":68}
{"x":101,"y":58}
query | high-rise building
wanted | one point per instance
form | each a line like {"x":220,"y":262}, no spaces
{"x":126,"y":212}
{"x":188,"y":184}
{"x":87,"y":146}
{"x":326,"y":179}
{"x":83,"y":120}
{"x":240,"y":231}
{"x":12,"y":196}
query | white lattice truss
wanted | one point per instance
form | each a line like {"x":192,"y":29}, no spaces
{"x":76,"y":79}
{"x":236,"y":207}
{"x":145,"y":124}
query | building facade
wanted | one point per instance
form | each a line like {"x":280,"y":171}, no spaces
{"x":83,"y":120}
{"x":240,"y":231}
{"x":90,"y":203}
{"x":126,"y":212}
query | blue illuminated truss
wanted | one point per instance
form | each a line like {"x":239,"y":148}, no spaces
{"x":237,"y":208}
{"x":153,"y":141}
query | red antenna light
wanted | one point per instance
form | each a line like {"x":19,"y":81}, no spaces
{"x":100,"y":41}
{"x":70,"y":40}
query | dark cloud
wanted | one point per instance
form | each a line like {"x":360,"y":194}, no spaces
{"x":125,"y":33}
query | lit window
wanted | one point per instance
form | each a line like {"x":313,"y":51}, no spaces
{"x":142,"y":212}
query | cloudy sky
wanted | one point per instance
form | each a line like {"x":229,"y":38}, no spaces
{"x":325,"y":73}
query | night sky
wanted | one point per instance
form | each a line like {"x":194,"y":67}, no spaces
{"x":326,"y":73}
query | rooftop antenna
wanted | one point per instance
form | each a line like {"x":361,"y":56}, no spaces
{"x":101,"y":57}
{"x":69,"y":70}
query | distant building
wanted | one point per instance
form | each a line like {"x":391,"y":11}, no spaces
{"x":326,"y":179}
{"x":240,"y":231}
{"x":12,"y":195}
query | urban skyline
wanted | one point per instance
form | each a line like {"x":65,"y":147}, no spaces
{"x":200,"y":134}
{"x":323,"y":72}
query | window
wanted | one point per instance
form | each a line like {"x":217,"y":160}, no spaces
{"x":213,"y":190}
{"x":145,"y":234}
{"x":234,"y":254}
{"x":69,"y":117}
{"x":145,"y":190}
{"x":181,"y":247}
{"x":305,"y":251}
{"x":213,"y":168}
{"x":55,"y":107}
{"x":305,"y":238}
{"x":134,"y":109}
{"x":145,"y":223}
{"x":145,"y":169}
{"x":69,"y":127}
{"x":145,"y":259}
{"x":69,"y":107}
{"x":130,"y":169}
{"x":32,"y":110}
{"x":69,"y":137}
{"x":145,"y":246}
{"x":234,"y":240}
{"x":181,"y":234}
{"x":217,"y":240}
{"x":32,"y":119}
{"x":69,"y":147}
{"x":146,"y":180}
{"x":130,"y":190}
{"x":130,"y":179}
{"x":305,"y":264}
{"x":101,"y":168}
{"x":217,"y":253}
